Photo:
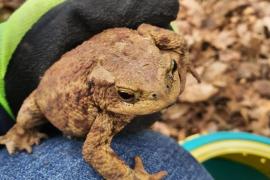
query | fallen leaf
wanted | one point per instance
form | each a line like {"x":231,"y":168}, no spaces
{"x":262,"y":87}
{"x":198,"y":92}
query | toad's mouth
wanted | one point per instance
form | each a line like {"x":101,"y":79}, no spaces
{"x":144,"y":107}
{"x":170,"y":105}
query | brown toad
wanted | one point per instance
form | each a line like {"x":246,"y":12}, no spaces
{"x":96,"y":89}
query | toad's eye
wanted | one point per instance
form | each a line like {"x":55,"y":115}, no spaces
{"x":173,"y":66}
{"x":126,"y":96}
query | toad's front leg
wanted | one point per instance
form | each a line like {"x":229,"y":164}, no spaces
{"x":24,"y":134}
{"x":169,"y":40}
{"x":98,"y":153}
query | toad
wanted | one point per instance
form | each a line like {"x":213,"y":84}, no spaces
{"x":96,"y":89}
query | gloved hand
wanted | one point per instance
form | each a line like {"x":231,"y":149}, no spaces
{"x":26,"y":53}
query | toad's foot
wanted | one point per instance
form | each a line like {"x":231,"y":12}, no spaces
{"x":20,"y":139}
{"x":142,"y":174}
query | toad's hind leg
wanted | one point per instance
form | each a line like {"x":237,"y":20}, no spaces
{"x":98,"y":153}
{"x":24,"y":133}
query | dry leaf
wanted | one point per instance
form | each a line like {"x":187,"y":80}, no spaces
{"x":262,"y":87}
{"x":198,"y":92}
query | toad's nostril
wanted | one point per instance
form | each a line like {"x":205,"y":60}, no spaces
{"x":154,"y":95}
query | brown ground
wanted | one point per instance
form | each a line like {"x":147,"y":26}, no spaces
{"x":230,"y":44}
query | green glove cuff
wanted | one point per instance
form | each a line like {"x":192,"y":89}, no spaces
{"x":11,"y":33}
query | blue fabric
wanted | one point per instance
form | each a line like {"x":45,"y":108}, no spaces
{"x":60,"y":158}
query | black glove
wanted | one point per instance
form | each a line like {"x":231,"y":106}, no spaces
{"x":68,"y":25}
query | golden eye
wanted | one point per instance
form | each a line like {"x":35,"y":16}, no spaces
{"x":173,"y":66}
{"x":126,"y":95}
